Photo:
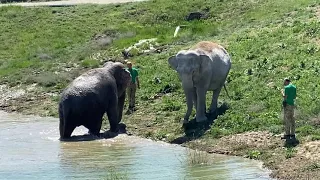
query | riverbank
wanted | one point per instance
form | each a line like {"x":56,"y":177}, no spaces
{"x":122,"y":157}
{"x":45,"y":48}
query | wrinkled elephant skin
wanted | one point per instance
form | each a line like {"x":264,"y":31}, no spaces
{"x":202,"y":68}
{"x":90,"y":96}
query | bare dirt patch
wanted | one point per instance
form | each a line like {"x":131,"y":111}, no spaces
{"x":310,"y":150}
{"x":238,"y":142}
{"x":317,"y":11}
{"x":27,"y":100}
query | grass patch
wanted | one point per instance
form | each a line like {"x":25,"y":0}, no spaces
{"x":313,"y":167}
{"x":197,"y":158}
{"x":267,"y":40}
{"x":290,"y":152}
{"x":254,"y":154}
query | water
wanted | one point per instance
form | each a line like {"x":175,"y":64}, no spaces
{"x":30,"y":149}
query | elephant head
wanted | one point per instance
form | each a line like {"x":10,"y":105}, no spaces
{"x":121,"y":75}
{"x":189,"y":65}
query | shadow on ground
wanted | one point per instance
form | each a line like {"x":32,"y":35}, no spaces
{"x":89,"y":137}
{"x":291,"y":143}
{"x":194,"y":130}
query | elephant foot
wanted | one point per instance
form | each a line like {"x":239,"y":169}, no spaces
{"x":109,"y":134}
{"x":94,"y":134}
{"x":201,"y":119}
{"x":212,"y":111}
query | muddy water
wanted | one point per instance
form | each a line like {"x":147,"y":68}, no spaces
{"x":30,"y":149}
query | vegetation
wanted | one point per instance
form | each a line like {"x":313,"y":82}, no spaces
{"x":198,"y":158}
{"x":267,"y":39}
{"x":10,"y":1}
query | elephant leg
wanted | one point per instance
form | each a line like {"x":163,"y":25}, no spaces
{"x":214,"y":102}
{"x":61,"y":128}
{"x":67,"y":130}
{"x":201,"y":105}
{"x":112,"y":113}
{"x":189,"y":97}
{"x":195,"y":98}
{"x":195,"y":101}
{"x":95,"y":127}
{"x":121,"y":101}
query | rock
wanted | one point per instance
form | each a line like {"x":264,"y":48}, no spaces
{"x":194,"y":16}
{"x":144,"y":46}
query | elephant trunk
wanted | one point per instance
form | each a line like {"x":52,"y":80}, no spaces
{"x":187,"y":85}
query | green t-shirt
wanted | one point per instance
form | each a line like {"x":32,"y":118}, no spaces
{"x":134,"y":74}
{"x":290,"y":91}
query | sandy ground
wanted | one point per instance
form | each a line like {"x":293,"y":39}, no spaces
{"x":70,"y":2}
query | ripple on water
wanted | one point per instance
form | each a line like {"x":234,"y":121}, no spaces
{"x":31,"y":149}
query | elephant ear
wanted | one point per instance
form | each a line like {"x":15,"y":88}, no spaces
{"x":204,"y":62}
{"x":173,"y":62}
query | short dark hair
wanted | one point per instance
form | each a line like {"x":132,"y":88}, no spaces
{"x":287,"y":79}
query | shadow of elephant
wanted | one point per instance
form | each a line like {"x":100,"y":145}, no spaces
{"x":194,"y":130}
{"x":91,"y":137}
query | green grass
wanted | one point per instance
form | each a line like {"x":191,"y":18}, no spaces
{"x":271,"y":39}
{"x":198,"y":158}
{"x":16,"y":1}
{"x":267,"y":39}
{"x":290,"y":152}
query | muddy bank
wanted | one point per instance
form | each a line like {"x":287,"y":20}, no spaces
{"x":298,"y":162}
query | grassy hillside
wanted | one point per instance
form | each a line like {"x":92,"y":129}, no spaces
{"x":13,"y":1}
{"x":267,"y":39}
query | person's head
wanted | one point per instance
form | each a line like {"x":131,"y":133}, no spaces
{"x":129,"y":64}
{"x":286,"y":81}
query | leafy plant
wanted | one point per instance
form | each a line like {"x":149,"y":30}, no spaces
{"x":254,"y":154}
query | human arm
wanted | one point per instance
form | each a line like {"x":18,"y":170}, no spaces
{"x":283,"y":94}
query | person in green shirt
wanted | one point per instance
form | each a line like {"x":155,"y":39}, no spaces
{"x":131,"y":90}
{"x":289,"y":94}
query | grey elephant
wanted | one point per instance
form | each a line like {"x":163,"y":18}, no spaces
{"x":85,"y":100}
{"x":202,"y":68}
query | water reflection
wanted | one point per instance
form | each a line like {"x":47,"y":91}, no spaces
{"x":30,"y":149}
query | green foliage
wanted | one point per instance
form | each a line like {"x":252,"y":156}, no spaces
{"x":306,"y":130}
{"x":254,"y":154}
{"x":267,"y":40}
{"x":290,"y":152}
{"x":89,"y":63}
{"x":216,"y":132}
{"x":313,"y":167}
{"x":197,"y":158}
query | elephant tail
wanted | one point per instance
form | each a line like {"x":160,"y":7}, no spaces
{"x":226,"y":91}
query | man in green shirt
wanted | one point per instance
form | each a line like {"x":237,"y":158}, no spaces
{"x":131,"y":90}
{"x":289,"y":94}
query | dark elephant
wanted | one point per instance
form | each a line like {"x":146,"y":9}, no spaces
{"x":89,"y":96}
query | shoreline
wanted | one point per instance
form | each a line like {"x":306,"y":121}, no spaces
{"x":261,"y":146}
{"x":259,"y":164}
{"x":250,"y":131}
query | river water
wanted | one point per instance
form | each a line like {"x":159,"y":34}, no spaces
{"x":30,"y":149}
